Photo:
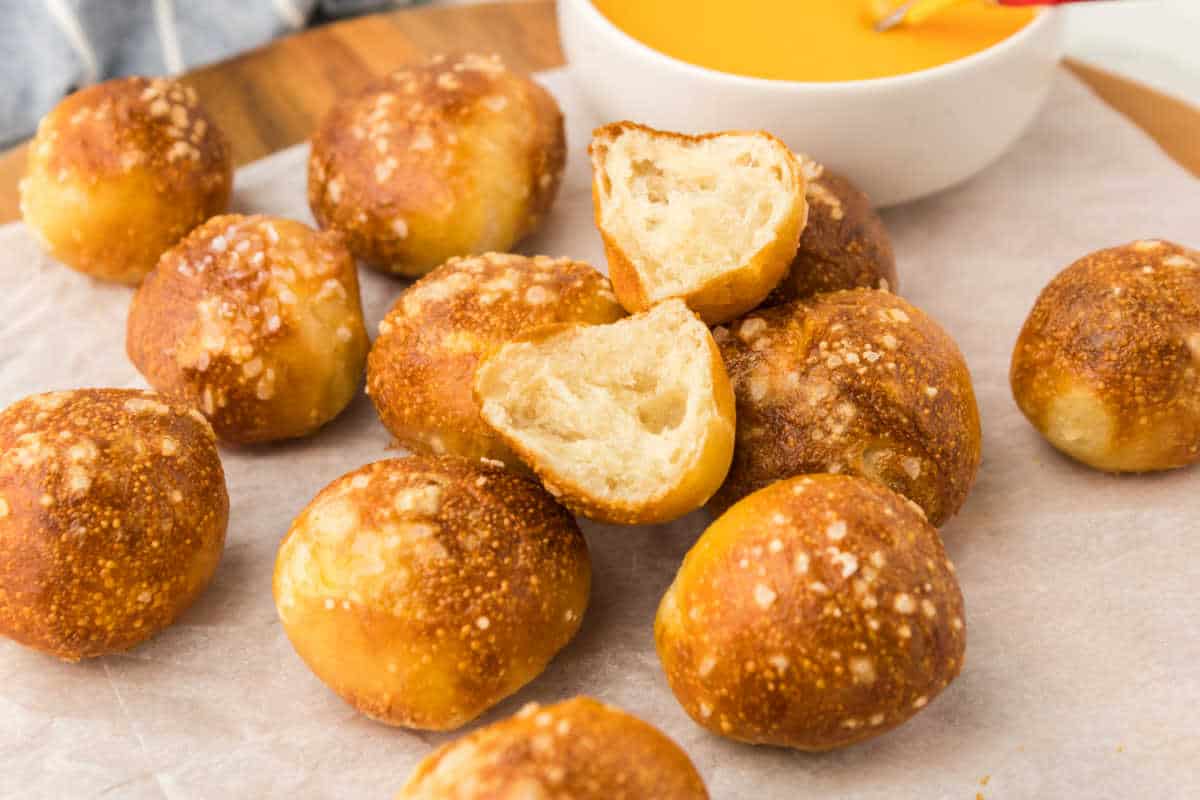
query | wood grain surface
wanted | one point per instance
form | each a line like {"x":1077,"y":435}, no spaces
{"x":271,"y":98}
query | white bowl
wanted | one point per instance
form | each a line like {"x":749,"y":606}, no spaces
{"x":898,"y":138}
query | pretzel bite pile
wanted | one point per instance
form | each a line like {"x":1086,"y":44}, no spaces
{"x":748,"y":360}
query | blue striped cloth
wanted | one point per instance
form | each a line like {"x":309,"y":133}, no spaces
{"x":52,"y":47}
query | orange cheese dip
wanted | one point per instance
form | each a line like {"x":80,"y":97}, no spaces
{"x":809,"y":40}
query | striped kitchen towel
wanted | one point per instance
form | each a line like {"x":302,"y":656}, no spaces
{"x":52,"y":47}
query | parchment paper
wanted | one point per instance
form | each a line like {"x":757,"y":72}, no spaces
{"x":1083,"y":656}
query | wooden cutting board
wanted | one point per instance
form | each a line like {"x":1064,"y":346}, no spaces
{"x":272,"y":97}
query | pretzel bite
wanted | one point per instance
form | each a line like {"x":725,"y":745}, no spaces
{"x":630,"y":423}
{"x":1106,"y":365}
{"x":112,"y":518}
{"x":120,"y":171}
{"x":844,"y":245}
{"x":859,"y":382}
{"x":712,"y":220}
{"x":421,"y":369}
{"x":426,"y":590}
{"x":452,"y":157}
{"x":257,"y":322}
{"x":578,"y":750}
{"x":816,"y":613}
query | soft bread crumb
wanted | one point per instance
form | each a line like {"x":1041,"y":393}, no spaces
{"x":688,"y":212}
{"x":421,"y":369}
{"x":622,"y":413}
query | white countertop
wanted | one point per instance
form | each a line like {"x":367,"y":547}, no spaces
{"x":1156,"y":42}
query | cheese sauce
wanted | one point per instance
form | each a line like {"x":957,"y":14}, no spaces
{"x":809,"y":40}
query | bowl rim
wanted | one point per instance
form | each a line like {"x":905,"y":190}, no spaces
{"x":1044,"y":17}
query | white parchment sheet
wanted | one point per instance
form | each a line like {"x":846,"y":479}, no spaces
{"x":1082,"y":589}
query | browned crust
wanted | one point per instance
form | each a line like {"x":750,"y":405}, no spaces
{"x":1121,"y":326}
{"x":425,"y":590}
{"x":690,"y":490}
{"x":112,"y":518}
{"x":141,"y":149}
{"x":466,"y":155}
{"x":421,"y":370}
{"x":256,"y":321}
{"x":844,"y":246}
{"x":725,"y":296}
{"x":579,"y":749}
{"x":859,"y":382}
{"x":816,"y":613}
